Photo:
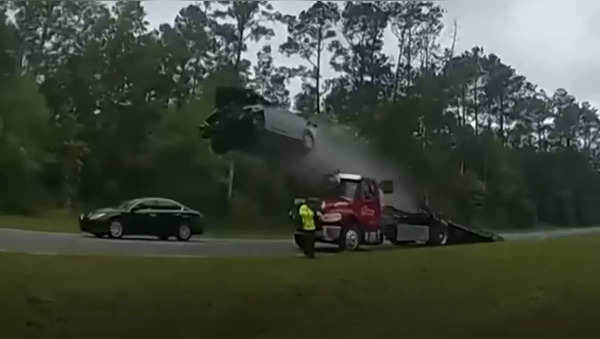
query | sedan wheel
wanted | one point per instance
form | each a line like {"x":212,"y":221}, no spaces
{"x":116,"y":229}
{"x":184,"y":233}
{"x":308,"y":141}
{"x":258,"y":122}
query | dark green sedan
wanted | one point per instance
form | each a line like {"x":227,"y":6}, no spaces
{"x":144,"y":216}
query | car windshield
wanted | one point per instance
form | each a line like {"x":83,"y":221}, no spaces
{"x":127,"y":204}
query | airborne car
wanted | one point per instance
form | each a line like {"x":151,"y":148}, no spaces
{"x":242,"y":120}
{"x":145,"y":216}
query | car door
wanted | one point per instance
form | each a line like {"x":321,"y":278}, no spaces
{"x":297,"y":125}
{"x":169,"y":217}
{"x":144,"y":218}
{"x":292,"y":125}
{"x":274,"y":121}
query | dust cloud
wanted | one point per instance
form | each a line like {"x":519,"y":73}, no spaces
{"x":338,"y":148}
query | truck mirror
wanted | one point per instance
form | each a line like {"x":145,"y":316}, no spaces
{"x":387,"y":186}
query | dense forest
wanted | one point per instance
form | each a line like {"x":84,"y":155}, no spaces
{"x":96,"y":107}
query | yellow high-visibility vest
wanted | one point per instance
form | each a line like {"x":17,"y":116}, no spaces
{"x":307,"y":215}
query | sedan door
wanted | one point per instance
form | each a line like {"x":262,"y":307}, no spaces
{"x":292,"y":124}
{"x":144,"y":218}
{"x":169,"y":217}
{"x":275,"y":121}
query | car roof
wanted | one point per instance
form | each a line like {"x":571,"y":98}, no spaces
{"x":156,"y":199}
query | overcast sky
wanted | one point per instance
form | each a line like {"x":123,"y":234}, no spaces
{"x":553,"y":43}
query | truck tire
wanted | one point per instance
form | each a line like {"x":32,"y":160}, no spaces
{"x":350,"y":239}
{"x":438,"y":234}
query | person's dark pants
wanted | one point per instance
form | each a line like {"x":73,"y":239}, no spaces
{"x":306,"y":241}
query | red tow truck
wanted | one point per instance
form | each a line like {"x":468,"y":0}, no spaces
{"x":352,"y":213}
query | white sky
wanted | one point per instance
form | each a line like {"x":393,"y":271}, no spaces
{"x":553,"y":43}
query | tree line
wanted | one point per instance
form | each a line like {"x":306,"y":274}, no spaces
{"x":97,"y":107}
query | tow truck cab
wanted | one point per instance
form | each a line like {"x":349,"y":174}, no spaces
{"x":353,"y":213}
{"x":352,"y":208}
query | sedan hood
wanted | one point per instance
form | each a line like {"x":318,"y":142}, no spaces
{"x":109,"y":211}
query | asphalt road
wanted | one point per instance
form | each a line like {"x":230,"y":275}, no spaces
{"x":46,"y":243}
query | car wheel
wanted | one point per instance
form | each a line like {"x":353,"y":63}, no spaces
{"x":438,"y":234}
{"x":258,"y":122}
{"x":116,"y":229}
{"x":308,"y":141}
{"x":218,"y":145}
{"x":184,"y":232}
{"x":350,"y":239}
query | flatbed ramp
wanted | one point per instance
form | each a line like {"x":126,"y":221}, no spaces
{"x":460,"y":234}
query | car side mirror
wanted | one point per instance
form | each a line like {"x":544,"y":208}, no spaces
{"x":387,"y":186}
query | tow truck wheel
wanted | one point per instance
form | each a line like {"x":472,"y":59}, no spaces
{"x":438,"y":234}
{"x":350,"y":239}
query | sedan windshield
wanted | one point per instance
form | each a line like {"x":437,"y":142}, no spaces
{"x":127,"y":204}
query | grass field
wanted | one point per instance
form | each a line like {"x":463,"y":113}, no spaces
{"x":64,"y":221}
{"x":47,"y":221}
{"x":545,"y":289}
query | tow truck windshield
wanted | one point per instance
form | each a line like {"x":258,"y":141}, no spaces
{"x":345,"y":189}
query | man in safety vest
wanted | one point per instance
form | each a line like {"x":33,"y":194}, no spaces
{"x":307,"y":234}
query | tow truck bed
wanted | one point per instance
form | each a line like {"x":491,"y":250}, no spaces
{"x":457,"y":233}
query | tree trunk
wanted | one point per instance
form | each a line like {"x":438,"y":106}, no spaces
{"x":540,"y":140}
{"x":453,"y":40}
{"x":238,"y":57}
{"x":398,"y":68}
{"x":230,"y":179}
{"x":476,"y":107}
{"x":240,"y":43}
{"x":502,"y":119}
{"x":409,"y":60}
{"x":396,"y":78}
{"x":463,"y":100}
{"x":318,"y":75}
{"x":372,"y":57}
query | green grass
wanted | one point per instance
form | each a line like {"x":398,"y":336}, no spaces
{"x":545,"y":289}
{"x":47,"y":221}
{"x":64,"y":221}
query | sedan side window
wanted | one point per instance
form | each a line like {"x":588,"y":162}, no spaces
{"x":168,"y":205}
{"x":142,"y":206}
